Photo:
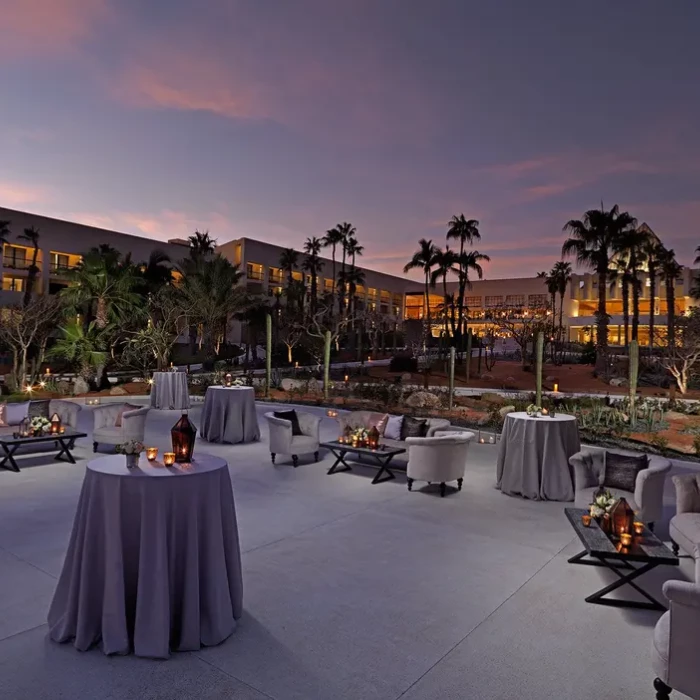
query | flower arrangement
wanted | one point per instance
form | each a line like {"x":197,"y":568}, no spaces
{"x":603,"y":501}
{"x":533,"y":411}
{"x":130,"y":447}
{"x":40,"y":425}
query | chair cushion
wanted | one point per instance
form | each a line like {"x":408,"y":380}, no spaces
{"x":3,"y":412}
{"x":392,"y":429}
{"x":302,"y":444}
{"x":15,"y":413}
{"x":292,"y":417}
{"x":684,"y":530}
{"x":413,"y":427}
{"x":378,"y":421}
{"x":111,"y":436}
{"x":126,"y":407}
{"x":39,"y":409}
{"x":621,"y":470}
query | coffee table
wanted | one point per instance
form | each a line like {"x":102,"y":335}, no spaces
{"x":383,"y":455}
{"x":65,"y":440}
{"x":646,"y":549}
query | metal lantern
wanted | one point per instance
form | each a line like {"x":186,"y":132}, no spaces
{"x":373,"y":438}
{"x":55,"y":424}
{"x":621,"y":518}
{"x":228,"y":379}
{"x":183,"y":434}
{"x":25,"y":427}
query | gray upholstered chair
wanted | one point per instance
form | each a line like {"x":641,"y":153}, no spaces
{"x":440,"y":458}
{"x":647,"y":498}
{"x":684,"y":527}
{"x":283,"y":442}
{"x":67,"y":411}
{"x":676,"y":641}
{"x":106,"y":430}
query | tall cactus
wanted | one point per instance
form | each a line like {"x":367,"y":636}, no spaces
{"x":452,"y":377}
{"x":633,"y":376}
{"x":468,"y":356}
{"x":538,"y":369}
{"x":268,"y":355}
{"x":327,"y":365}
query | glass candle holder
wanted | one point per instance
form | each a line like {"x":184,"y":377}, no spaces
{"x":638,"y":527}
{"x":586,"y":520}
{"x":625,"y":539}
{"x":168,"y":459}
{"x":151,"y":453}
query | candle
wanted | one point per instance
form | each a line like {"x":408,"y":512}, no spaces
{"x":151,"y":453}
{"x":638,"y":527}
{"x":168,"y":459}
{"x":347,"y":378}
{"x":556,"y":386}
{"x":545,"y":412}
{"x":586,"y":520}
{"x":626,"y":539}
{"x":481,"y":440}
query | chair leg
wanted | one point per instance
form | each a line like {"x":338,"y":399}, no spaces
{"x":295,"y":461}
{"x":94,"y":447}
{"x":675,"y":548}
{"x":663,"y":692}
{"x":272,"y":457}
{"x":410,"y":484}
{"x":443,"y":488}
{"x":459,"y":483}
{"x":316,"y":456}
{"x":650,"y":526}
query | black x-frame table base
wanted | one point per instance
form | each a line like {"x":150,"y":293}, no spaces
{"x":65,"y":442}
{"x":382,"y":456}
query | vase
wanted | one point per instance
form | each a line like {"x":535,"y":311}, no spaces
{"x":132,"y":461}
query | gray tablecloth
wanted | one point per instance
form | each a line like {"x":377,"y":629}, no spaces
{"x":533,"y":457}
{"x":169,"y":390}
{"x":153,"y":563}
{"x":229,"y":415}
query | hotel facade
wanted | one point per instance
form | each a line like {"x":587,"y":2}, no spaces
{"x":394,"y":298}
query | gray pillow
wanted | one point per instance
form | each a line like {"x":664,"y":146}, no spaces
{"x":621,"y":470}
{"x":16,"y":412}
{"x":39,"y":408}
{"x":392,"y":430}
{"x":413,"y":427}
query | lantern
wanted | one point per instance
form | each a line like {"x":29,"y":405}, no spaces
{"x":228,"y":379}
{"x":55,"y":428}
{"x":25,"y":428}
{"x":621,"y":518}
{"x":183,"y":435}
{"x":373,"y":438}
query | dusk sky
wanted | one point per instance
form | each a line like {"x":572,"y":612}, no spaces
{"x":277,"y":119}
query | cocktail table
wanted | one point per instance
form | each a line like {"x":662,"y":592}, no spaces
{"x":646,"y":549}
{"x":65,"y":440}
{"x":383,"y":455}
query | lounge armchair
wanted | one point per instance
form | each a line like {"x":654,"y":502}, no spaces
{"x":106,"y":430}
{"x":283,"y":442}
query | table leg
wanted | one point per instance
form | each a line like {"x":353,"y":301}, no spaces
{"x":65,"y":450}
{"x":9,"y":459}
{"x":384,"y":462}
{"x":598,"y":598}
{"x":339,"y":459}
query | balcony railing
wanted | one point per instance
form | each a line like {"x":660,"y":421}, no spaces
{"x":61,"y":268}
{"x":15,"y":263}
{"x":255,"y":275}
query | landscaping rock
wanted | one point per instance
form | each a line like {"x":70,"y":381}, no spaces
{"x":118,"y":391}
{"x":490,"y":397}
{"x":63,"y":387}
{"x":422,"y":399}
{"x":618,"y":381}
{"x":503,"y":412}
{"x":406,"y":377}
{"x":289,"y":384}
{"x":314,"y":386}
{"x":80,"y":386}
{"x":550,"y":379}
{"x":486,"y":377}
{"x":510,"y":383}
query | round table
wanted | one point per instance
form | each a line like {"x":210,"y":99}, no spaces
{"x":229,"y":415}
{"x":533,"y":457}
{"x":169,"y":390}
{"x":153,"y":564}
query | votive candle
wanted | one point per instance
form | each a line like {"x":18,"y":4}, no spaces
{"x":638,"y":527}
{"x":626,"y":539}
{"x":151,"y":453}
{"x":586,"y":520}
{"x":168,"y":459}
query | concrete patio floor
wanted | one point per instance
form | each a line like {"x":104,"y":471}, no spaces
{"x":351,"y":590}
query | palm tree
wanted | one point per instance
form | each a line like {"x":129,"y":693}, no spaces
{"x":470,"y":261}
{"x":446,"y":263}
{"x":551,"y":284}
{"x":105,"y":285}
{"x":313,"y":265}
{"x":31,"y":235}
{"x":670,"y":271}
{"x":630,"y":247}
{"x":354,"y":277}
{"x":424,"y":259}
{"x":332,"y":239}
{"x":695,"y":262}
{"x":347,"y":232}
{"x":156,"y":273}
{"x":465,"y":231}
{"x":562,"y":274}
{"x":621,"y":274}
{"x":83,"y":347}
{"x":4,"y":232}
{"x":201,"y":244}
{"x":353,"y":249}
{"x":653,"y":252}
{"x":288,"y":263}
{"x":593,"y":242}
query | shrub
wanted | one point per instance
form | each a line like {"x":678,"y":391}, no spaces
{"x":403,"y":363}
{"x":588,"y":355}
{"x":659,"y":442}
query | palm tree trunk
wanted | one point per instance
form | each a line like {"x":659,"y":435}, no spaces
{"x":602,"y":322}
{"x":626,"y":310}
{"x":561,"y":319}
{"x":635,"y":307}
{"x":671,"y":312}
{"x":652,"y":294}
{"x":444,"y":310}
{"x":101,"y":313}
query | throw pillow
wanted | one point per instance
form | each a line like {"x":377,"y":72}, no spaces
{"x":378,"y":421}
{"x":414,"y":427}
{"x":392,"y":430}
{"x":126,"y":407}
{"x":292,"y":417}
{"x":39,"y":409}
{"x":15,"y":413}
{"x":3,"y":410}
{"x":621,"y":470}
